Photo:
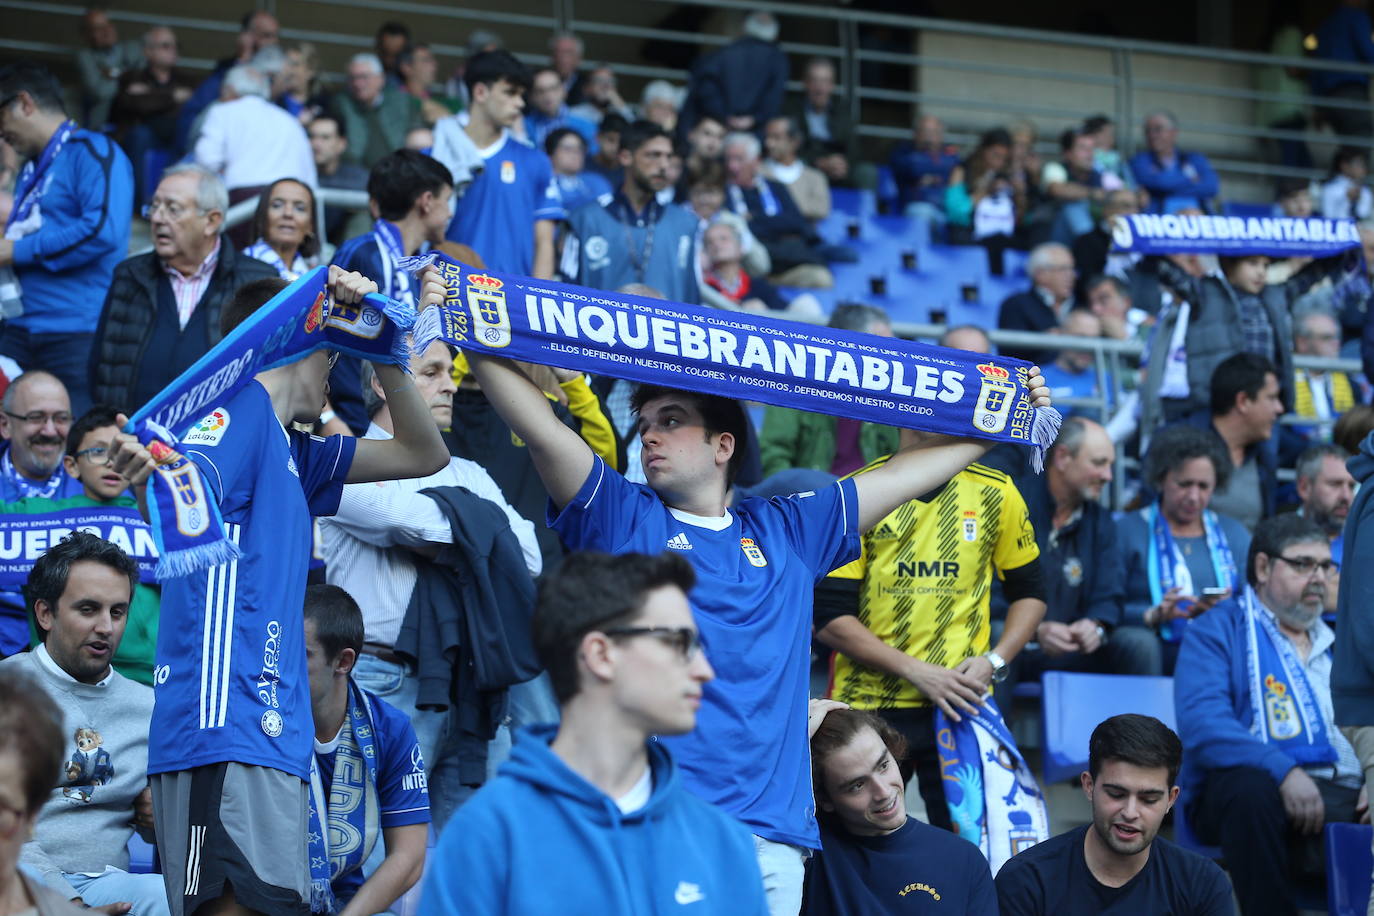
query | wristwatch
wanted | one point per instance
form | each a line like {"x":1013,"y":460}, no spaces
{"x":999,"y":666}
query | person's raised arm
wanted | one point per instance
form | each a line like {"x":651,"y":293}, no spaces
{"x":925,"y":465}
{"x":416,"y":449}
{"x":560,"y":455}
{"x":543,"y":249}
{"x":404,"y":862}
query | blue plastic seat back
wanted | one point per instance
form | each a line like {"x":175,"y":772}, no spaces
{"x":1348,"y":865}
{"x":1073,"y":704}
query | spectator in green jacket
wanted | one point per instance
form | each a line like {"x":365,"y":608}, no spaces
{"x":820,"y":442}
{"x":374,"y":114}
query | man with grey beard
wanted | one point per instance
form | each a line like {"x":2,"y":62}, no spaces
{"x":1264,"y":764}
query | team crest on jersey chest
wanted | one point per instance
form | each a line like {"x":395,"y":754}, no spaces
{"x":970,"y":525}
{"x":752,"y":553}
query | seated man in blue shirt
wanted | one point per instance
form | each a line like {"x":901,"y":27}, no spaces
{"x":1118,"y":863}
{"x":921,"y":168}
{"x":590,"y":815}
{"x":876,"y":859}
{"x":368,"y":772}
{"x":1175,"y":179}
{"x":1073,"y":373}
{"x":757,"y":563}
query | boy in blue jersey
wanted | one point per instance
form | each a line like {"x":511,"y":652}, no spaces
{"x":589,"y":815}
{"x":369,"y":775}
{"x":413,"y":195}
{"x":230,"y":761}
{"x":756,"y":565}
{"x":508,"y":212}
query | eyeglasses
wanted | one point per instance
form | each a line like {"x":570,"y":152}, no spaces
{"x":1306,"y":566}
{"x":685,"y":640}
{"x":95,"y":454}
{"x":174,"y":210}
{"x":39,"y":418}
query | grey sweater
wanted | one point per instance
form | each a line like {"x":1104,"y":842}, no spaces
{"x":86,"y":823}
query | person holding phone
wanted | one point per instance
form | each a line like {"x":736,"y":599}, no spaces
{"x":1181,"y":557}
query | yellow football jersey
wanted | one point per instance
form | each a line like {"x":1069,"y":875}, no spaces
{"x":926,"y":571}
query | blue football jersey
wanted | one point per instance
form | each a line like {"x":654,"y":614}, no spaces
{"x":497,"y":213}
{"x":756,"y":568}
{"x":230,"y":682}
{"x":402,"y":792}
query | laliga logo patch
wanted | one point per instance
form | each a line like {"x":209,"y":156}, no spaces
{"x":508,"y":172}
{"x":193,"y":519}
{"x":994,"y":399}
{"x":1121,"y":232}
{"x":487,"y":305}
{"x":272,"y":723}
{"x":1280,"y":711}
{"x":209,"y":430}
{"x":752,"y":553}
{"x":970,"y":525}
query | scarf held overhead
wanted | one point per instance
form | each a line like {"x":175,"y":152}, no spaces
{"x":1234,"y":236}
{"x":881,"y":380}
{"x":299,"y":320}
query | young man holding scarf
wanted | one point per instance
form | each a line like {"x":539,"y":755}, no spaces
{"x":1265,"y":765}
{"x":231,"y":790}
{"x":756,"y":564}
{"x":73,"y":201}
{"x":414,"y":198}
{"x":367,"y":780}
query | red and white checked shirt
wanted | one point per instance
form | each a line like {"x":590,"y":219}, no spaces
{"x":188,"y":290}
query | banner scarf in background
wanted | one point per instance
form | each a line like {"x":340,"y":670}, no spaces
{"x":993,"y":798}
{"x":756,"y":357}
{"x":299,"y":320}
{"x":1235,"y":236}
{"x":28,"y":527}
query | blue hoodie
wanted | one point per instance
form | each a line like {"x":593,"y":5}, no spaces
{"x":1352,"y":667}
{"x":541,"y":839}
{"x":65,"y":267}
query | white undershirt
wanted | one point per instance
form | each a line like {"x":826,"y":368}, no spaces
{"x":638,"y":796}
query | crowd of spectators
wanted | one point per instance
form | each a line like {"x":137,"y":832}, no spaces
{"x":1191,"y":520}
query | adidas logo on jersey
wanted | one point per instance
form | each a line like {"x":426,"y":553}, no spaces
{"x":679,"y":542}
{"x":884,"y":531}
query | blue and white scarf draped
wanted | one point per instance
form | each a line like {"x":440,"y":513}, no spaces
{"x":882,"y":380}
{"x":395,"y":281}
{"x":261,"y":251}
{"x":27,"y":488}
{"x":342,"y":839}
{"x":993,"y":798}
{"x":299,"y":320}
{"x":1167,"y":569}
{"x":32,"y":183}
{"x":767,"y":200}
{"x":1285,"y":712}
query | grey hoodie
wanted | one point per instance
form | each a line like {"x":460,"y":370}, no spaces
{"x":1352,"y":671}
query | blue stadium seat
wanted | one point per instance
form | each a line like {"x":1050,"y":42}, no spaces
{"x":887,"y":188}
{"x":142,"y":856}
{"x":1184,"y":836}
{"x":852,"y":202}
{"x":1073,"y":704}
{"x":1348,"y":865}
{"x":1238,"y":208}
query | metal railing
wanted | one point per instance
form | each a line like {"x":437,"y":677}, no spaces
{"x":1121,"y":84}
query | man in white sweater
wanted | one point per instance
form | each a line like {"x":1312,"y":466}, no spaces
{"x":80,"y":590}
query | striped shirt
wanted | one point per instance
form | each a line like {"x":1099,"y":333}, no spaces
{"x":188,"y":291}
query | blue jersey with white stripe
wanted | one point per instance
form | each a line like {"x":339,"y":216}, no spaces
{"x":496,"y":216}
{"x":230,"y":682}
{"x":756,"y":569}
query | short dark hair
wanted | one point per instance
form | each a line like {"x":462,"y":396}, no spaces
{"x":338,"y":619}
{"x":1174,"y":446}
{"x":1141,"y":741}
{"x":1290,"y":186}
{"x":31,"y":725}
{"x":836,"y":730}
{"x":1239,"y":373}
{"x":555,"y":137}
{"x":1117,"y":283}
{"x":1069,"y":137}
{"x":98,"y":416}
{"x":491,"y":67}
{"x":1275,"y":535}
{"x":400,"y":177}
{"x":392,"y":27}
{"x":326,"y":116}
{"x":1345,"y":155}
{"x":310,"y":245}
{"x":48,"y":578}
{"x":639,"y":133}
{"x":718,"y":415}
{"x":590,"y":591}
{"x":1095,"y":123}
{"x":247,"y":299}
{"x":612,"y":124}
{"x":36,"y":80}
